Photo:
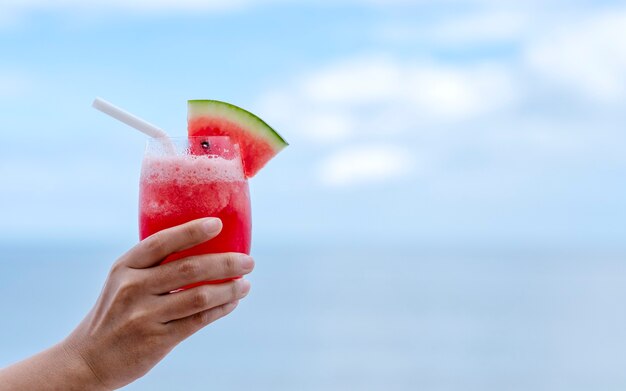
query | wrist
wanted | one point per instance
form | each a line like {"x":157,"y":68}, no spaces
{"x":78,"y":369}
{"x":56,"y":368}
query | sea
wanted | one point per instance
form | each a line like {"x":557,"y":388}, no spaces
{"x":360,"y":318}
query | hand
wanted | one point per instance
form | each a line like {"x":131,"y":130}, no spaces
{"x":136,"y":321}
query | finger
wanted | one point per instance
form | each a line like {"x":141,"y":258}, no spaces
{"x":183,"y":328}
{"x":210,"y":267}
{"x":188,"y":302}
{"x":157,"y":247}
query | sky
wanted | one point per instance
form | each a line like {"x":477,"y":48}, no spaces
{"x":495,"y":128}
{"x":435,"y":123}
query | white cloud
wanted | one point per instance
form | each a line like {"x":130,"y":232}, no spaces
{"x":587,"y":55}
{"x":355,"y":81}
{"x":378,"y":95}
{"x":436,"y":90}
{"x":453,"y":93}
{"x":330,"y":126}
{"x":578,"y":49}
{"x":365,"y":164}
{"x":375,"y":99}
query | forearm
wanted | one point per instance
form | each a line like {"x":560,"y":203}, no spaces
{"x":51,"y":370}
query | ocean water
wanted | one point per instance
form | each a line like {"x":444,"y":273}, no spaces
{"x":361,"y":319}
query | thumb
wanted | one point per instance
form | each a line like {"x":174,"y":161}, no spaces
{"x":158,"y":246}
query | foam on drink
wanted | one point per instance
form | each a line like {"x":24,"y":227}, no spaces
{"x":191,"y":169}
{"x":175,"y":184}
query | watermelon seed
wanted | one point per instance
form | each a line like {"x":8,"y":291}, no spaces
{"x":205,"y":145}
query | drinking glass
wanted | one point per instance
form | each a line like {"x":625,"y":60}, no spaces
{"x":183,"y":179}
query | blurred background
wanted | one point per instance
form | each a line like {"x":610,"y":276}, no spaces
{"x":449,"y":214}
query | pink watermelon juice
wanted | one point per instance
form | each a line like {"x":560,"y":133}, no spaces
{"x":176,"y":188}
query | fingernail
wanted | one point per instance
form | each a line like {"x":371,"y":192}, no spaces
{"x":247,"y":263}
{"x":212,"y":225}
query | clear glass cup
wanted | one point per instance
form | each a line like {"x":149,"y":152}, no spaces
{"x":183,"y":179}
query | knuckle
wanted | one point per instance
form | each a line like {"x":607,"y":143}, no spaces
{"x":199,"y":320}
{"x":224,"y":310}
{"x":200,"y":299}
{"x":204,"y":318}
{"x":230,"y":263}
{"x":139,"y":319}
{"x":235,"y":290}
{"x":155,"y":244}
{"x":192,"y":233}
{"x":188,"y":269}
{"x":128,"y":289}
{"x":117,"y":267}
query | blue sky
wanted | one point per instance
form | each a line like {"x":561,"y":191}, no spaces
{"x":495,"y":128}
{"x":469,"y":122}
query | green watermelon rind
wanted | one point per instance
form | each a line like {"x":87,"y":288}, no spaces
{"x":216,"y":108}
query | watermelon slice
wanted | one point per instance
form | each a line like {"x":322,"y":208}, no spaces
{"x":257,"y":140}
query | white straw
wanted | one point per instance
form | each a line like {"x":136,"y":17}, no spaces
{"x":128,"y":118}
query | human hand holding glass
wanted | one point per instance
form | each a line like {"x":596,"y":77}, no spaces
{"x":136,"y":321}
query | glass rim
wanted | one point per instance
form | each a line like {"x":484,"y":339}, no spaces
{"x":183,"y":138}
{"x":185,"y":145}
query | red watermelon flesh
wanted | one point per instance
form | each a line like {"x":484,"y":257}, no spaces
{"x":213,"y":146}
{"x":258,"y":142}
